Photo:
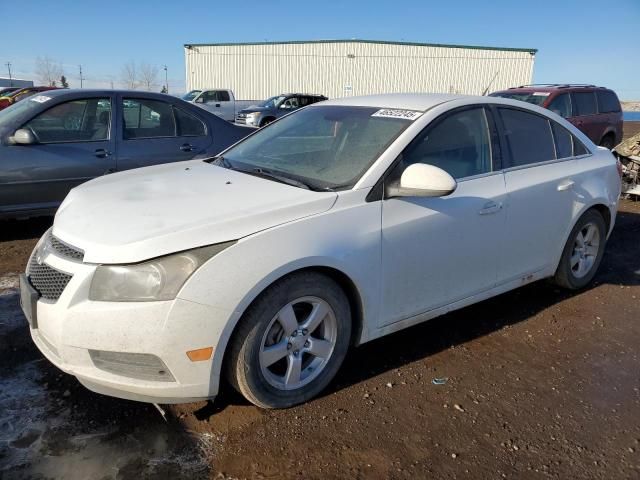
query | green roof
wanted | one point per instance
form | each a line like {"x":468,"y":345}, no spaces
{"x":355,"y":40}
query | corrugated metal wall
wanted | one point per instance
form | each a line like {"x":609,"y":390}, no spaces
{"x":338,"y":69}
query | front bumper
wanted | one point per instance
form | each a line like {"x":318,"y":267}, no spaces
{"x":68,"y":328}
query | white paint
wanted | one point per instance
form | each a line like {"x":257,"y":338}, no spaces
{"x":410,"y":259}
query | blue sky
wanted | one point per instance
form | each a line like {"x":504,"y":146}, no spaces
{"x":582,"y":41}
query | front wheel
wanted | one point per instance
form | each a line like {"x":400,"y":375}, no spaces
{"x":291,"y":341}
{"x":582,"y":253}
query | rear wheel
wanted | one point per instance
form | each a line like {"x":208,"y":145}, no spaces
{"x":582,"y":253}
{"x":291,"y":341}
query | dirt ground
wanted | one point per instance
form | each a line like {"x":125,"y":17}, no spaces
{"x":535,"y":383}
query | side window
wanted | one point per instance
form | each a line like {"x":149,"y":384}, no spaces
{"x":528,"y":137}
{"x":75,"y":121}
{"x":144,"y":118}
{"x":561,"y":105}
{"x":304,"y":101}
{"x":584,"y":103}
{"x":223,"y":96}
{"x":607,"y":101}
{"x":459,"y":144}
{"x":563,"y":140}
{"x":209,"y":97}
{"x":188,"y":125}
{"x":290,"y":103}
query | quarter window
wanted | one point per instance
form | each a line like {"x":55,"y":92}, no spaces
{"x":561,"y":105}
{"x":144,"y":118}
{"x":584,"y":103}
{"x":528,"y":137}
{"x":607,"y":101}
{"x":460,"y":144}
{"x":75,"y":121}
{"x":563,"y":141}
{"x":188,"y":125}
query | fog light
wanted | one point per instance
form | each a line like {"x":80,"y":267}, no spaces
{"x":141,"y":366}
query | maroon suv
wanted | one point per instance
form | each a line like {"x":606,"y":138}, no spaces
{"x":594,"y":110}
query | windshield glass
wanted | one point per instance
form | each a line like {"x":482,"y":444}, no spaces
{"x":8,"y":114}
{"x":191,"y":95}
{"x":325,"y":147}
{"x":537,"y":98}
{"x":272,"y":102}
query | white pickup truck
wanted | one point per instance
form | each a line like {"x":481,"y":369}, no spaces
{"x":220,"y":102}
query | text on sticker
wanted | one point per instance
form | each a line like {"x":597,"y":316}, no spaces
{"x":404,"y":114}
{"x":40,"y":98}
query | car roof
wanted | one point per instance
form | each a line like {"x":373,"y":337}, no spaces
{"x":406,"y":101}
{"x":551,"y":88}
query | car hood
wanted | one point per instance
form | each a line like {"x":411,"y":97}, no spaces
{"x":148,"y":212}
{"x":254,"y":109}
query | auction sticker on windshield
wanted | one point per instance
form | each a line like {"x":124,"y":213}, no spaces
{"x":404,"y":114}
{"x":40,"y":98}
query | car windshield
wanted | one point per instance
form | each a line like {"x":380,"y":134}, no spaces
{"x":272,"y":102}
{"x":324,"y":147}
{"x":191,"y":95}
{"x":537,"y":98}
{"x":17,"y":109}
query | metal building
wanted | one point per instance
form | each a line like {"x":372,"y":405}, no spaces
{"x":338,"y":68}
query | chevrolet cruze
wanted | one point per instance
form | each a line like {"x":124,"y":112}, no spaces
{"x":335,"y":225}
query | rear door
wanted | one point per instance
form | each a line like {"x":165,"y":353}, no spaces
{"x":586,"y":117}
{"x":153,"y":131}
{"x":75,"y":143}
{"x":540,"y":192}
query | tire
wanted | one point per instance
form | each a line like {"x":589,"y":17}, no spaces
{"x":607,"y":142}
{"x":572,"y":275}
{"x":266,"y":122}
{"x":273,"y":327}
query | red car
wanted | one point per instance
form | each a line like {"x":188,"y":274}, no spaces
{"x":20,"y":94}
{"x":594,"y":110}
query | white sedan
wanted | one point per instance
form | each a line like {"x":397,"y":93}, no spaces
{"x":333,"y":226}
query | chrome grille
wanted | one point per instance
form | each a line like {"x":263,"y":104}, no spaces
{"x":48,"y":282}
{"x":64,"y":249}
{"x":241,"y":118}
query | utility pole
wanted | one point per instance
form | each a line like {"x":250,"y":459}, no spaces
{"x":81,"y":79}
{"x":8,"y":64}
{"x":166,"y":79}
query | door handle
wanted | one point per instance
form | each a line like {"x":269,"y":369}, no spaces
{"x":186,"y":147}
{"x":102,"y":153}
{"x":490,"y":207}
{"x":566,"y":185}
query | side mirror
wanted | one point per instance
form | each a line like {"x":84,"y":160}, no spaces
{"x":422,"y":180}
{"x":23,"y":136}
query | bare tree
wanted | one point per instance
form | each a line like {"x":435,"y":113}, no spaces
{"x":48,"y":71}
{"x":129,"y":75}
{"x":148,"y":75}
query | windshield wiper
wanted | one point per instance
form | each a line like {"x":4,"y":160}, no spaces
{"x":220,"y":161}
{"x":261,"y":172}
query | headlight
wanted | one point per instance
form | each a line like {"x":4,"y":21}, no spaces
{"x":253,"y":117}
{"x":158,"y":279}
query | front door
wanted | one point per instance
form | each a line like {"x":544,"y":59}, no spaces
{"x":74,"y":143}
{"x":436,"y":251}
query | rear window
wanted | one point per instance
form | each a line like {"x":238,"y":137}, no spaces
{"x":537,"y":98}
{"x":584,"y":103}
{"x":607,"y":101}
